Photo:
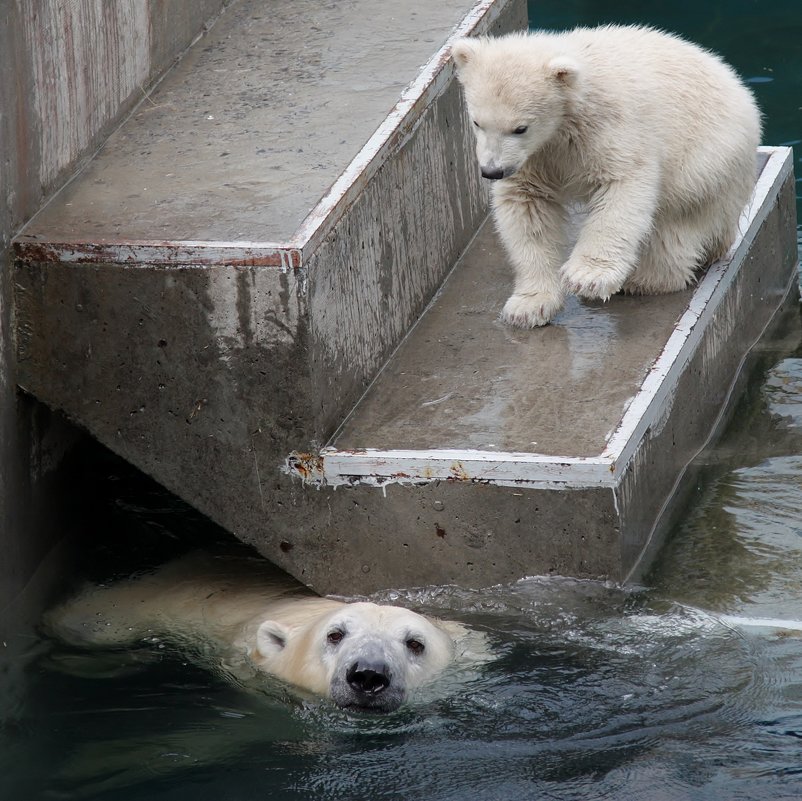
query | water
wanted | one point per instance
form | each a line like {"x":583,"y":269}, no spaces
{"x":596,"y":692}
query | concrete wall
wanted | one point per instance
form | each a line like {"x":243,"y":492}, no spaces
{"x":70,"y":72}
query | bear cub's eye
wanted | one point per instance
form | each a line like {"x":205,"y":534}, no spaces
{"x":416,"y":646}
{"x":475,"y":123}
{"x":521,"y":129}
{"x":335,"y":636}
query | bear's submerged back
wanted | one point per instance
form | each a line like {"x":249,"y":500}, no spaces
{"x":197,"y":594}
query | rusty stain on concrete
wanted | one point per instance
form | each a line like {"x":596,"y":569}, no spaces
{"x":308,"y":466}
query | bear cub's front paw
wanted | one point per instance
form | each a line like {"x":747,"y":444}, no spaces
{"x":531,"y":310}
{"x":592,"y":279}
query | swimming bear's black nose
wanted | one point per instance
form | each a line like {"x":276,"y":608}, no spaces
{"x":493,"y":174}
{"x":368,"y":677}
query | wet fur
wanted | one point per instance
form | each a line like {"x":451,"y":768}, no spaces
{"x":247,"y":617}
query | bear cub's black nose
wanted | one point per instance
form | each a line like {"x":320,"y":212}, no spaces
{"x":369,"y":678}
{"x":493,"y":174}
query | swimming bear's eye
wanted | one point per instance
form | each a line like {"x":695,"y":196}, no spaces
{"x":521,"y":129}
{"x":416,"y":646}
{"x":475,"y":123}
{"x":335,"y":636}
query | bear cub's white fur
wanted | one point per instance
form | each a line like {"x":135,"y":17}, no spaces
{"x":246,"y":617}
{"x":654,"y":134}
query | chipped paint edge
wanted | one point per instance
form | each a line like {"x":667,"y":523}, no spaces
{"x":286,"y":257}
{"x":380,"y":468}
{"x":334,"y":468}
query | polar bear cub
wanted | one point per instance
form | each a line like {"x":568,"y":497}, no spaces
{"x":246,"y":617}
{"x":655,"y":135}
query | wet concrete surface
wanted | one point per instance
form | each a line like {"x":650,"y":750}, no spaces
{"x":246,"y":134}
{"x":463,"y":379}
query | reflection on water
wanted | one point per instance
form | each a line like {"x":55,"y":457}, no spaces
{"x":741,"y":544}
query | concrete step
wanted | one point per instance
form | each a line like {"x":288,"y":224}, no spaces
{"x":482,"y":454}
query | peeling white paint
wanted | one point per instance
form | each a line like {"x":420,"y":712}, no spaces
{"x":377,"y":468}
{"x":179,"y":253}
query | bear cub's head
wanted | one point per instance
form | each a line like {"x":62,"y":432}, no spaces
{"x":517,"y":97}
{"x":361,"y":655}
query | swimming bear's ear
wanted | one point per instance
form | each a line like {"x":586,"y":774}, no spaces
{"x":462,"y":51}
{"x":271,"y":638}
{"x":564,"y":70}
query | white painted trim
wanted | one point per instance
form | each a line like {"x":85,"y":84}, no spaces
{"x":377,"y":467}
{"x":145,"y":253}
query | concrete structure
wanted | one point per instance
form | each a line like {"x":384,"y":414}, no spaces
{"x":220,"y":286}
{"x":71,"y":72}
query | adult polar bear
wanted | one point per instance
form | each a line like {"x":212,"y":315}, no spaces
{"x":244,"y":615}
{"x":656,"y":135}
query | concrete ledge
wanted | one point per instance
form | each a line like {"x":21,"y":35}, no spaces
{"x":205,"y":300}
{"x":589,"y":504}
{"x":71,"y":72}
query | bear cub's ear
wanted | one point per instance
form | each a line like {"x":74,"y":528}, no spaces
{"x":462,"y":51}
{"x":271,"y":638}
{"x":564,"y":69}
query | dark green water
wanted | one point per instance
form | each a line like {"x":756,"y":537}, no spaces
{"x":596,"y":692}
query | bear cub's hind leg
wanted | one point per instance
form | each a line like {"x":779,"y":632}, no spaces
{"x":678,"y":246}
